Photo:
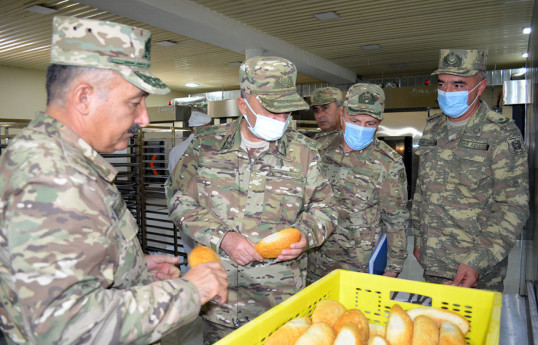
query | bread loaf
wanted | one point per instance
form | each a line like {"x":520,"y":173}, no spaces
{"x":357,"y":317}
{"x":200,"y":255}
{"x":425,"y":331}
{"x":271,"y":246}
{"x":439,"y":315}
{"x":378,"y":340}
{"x":289,"y":332}
{"x":318,"y":334}
{"x":328,"y":311}
{"x":450,"y":334}
{"x":349,"y":334}
{"x":377,"y":329}
{"x":399,"y":327}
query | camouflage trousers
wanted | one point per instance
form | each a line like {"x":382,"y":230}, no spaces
{"x":213,"y":332}
{"x":492,"y":280}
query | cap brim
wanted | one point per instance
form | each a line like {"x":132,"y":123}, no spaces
{"x":283,"y":103}
{"x":455,"y":71}
{"x":353,"y":112}
{"x":323,"y":102}
{"x":145,"y":80}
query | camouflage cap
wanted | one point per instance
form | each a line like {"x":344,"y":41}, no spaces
{"x":366,"y":99}
{"x":326,"y":95}
{"x":272,"y":80}
{"x":464,"y":63}
{"x":94,"y":43}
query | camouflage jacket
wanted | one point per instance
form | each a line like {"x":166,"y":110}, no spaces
{"x":71,"y":268}
{"x":472,"y":193}
{"x":370,"y":189}
{"x":217,"y":188}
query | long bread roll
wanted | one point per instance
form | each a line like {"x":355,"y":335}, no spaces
{"x":399,"y":327}
{"x":349,"y":334}
{"x":378,"y":340}
{"x":317,"y":334}
{"x":290,"y":332}
{"x":450,"y":334}
{"x":356,"y":316}
{"x":425,"y":331}
{"x":271,"y":246}
{"x":201,"y":255}
{"x":328,"y":311}
{"x":377,"y":329}
{"x":439,"y":315}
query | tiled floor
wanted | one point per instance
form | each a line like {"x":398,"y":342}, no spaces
{"x":192,"y":334}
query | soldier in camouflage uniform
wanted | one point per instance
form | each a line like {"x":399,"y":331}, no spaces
{"x":71,"y":268}
{"x":370,"y":187}
{"x":472,"y":191}
{"x":326,"y":103}
{"x":240,"y":182}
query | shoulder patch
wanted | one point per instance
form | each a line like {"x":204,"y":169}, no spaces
{"x":401,"y":176}
{"x":497,"y":118}
{"x":427,"y":142}
{"x":389,"y":151}
{"x":515,"y":145}
{"x":210,"y":130}
{"x":303,"y":139}
{"x":325,"y":134}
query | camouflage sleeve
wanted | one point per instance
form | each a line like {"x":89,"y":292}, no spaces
{"x":198,"y":222}
{"x":65,"y":257}
{"x":415,"y":216}
{"x":394,"y":215}
{"x":319,"y":217}
{"x":510,"y":200}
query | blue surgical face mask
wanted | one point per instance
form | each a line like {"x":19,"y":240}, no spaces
{"x":267,"y":128}
{"x":358,"y":137}
{"x":454,"y":104}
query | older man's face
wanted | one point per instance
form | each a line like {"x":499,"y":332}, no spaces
{"x":328,"y":116}
{"x":113,"y":115}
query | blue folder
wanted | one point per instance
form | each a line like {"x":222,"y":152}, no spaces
{"x":378,"y":260}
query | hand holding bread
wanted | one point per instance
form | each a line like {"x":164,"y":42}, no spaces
{"x":208,"y":275}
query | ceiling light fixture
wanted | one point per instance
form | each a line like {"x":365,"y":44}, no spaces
{"x":371,"y":47}
{"x":326,"y":15}
{"x":192,"y":84}
{"x":41,"y":9}
{"x":166,"y":43}
{"x":525,"y":55}
{"x":527,"y":30}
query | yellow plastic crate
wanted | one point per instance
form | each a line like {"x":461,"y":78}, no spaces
{"x":375,"y":295}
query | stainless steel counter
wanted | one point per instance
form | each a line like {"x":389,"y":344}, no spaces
{"x":514,"y":321}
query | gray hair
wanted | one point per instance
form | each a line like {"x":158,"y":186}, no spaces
{"x":60,"y":78}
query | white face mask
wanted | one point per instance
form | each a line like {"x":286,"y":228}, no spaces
{"x":267,"y":128}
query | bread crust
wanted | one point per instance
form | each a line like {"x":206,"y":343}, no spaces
{"x":328,"y":311}
{"x":378,"y":340}
{"x":349,"y":334}
{"x":425,"y":331}
{"x":356,"y":316}
{"x":439,"y":315}
{"x":450,"y":334}
{"x":201,"y":255}
{"x":399,"y":327}
{"x":290,"y":332}
{"x":271,"y":246}
{"x":318,"y":334}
